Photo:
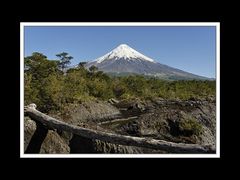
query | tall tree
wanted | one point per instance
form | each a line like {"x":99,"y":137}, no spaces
{"x":39,"y":66}
{"x":81,"y":64}
{"x":65,"y":60}
{"x":93,"y":69}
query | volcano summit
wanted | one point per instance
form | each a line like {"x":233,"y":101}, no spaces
{"x":125,"y":60}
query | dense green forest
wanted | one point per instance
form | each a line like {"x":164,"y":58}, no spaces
{"x":50,"y":85}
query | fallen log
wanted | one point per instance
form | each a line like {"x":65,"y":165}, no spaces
{"x":118,"y":120}
{"x":116,"y":138}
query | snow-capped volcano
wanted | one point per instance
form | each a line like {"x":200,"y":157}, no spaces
{"x":123,"y":51}
{"x":125,"y":60}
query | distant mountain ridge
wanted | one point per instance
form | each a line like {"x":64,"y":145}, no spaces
{"x":126,"y":60}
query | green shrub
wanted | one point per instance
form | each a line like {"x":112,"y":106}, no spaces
{"x":190,"y":126}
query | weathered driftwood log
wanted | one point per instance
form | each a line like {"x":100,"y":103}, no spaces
{"x":116,"y":138}
{"x":118,"y":120}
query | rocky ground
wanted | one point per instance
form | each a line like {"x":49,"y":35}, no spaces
{"x":191,"y":121}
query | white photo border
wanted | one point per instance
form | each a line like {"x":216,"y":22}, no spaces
{"x":177,"y":24}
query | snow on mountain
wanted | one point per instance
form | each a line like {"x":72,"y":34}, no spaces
{"x":123,"y":51}
{"x":126,"y":60}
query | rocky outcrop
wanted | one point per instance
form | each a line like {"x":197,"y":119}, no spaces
{"x":108,"y":148}
{"x":53,"y":143}
{"x":29,"y":129}
{"x":83,"y":145}
{"x":94,"y":111}
{"x":191,"y":121}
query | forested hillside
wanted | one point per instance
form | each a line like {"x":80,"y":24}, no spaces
{"x":50,"y":85}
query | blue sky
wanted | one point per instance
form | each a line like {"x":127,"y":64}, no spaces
{"x":191,"y":49}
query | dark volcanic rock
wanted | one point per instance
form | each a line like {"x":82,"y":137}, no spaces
{"x":94,"y":111}
{"x":29,"y":129}
{"x":191,"y":121}
{"x":52,"y":143}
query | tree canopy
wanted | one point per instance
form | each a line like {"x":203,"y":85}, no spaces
{"x":65,"y":60}
{"x":47,"y":86}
